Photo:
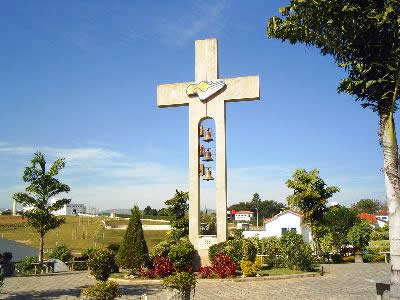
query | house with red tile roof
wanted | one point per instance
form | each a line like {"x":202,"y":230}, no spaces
{"x":374,"y":220}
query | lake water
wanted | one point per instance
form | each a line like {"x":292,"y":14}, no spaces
{"x":18,"y":250}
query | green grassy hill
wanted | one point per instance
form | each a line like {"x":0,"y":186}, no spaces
{"x":78,"y":233}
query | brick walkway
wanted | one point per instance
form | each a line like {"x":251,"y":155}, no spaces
{"x":349,"y":281}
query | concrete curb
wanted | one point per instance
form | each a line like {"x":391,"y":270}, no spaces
{"x":236,"y":279}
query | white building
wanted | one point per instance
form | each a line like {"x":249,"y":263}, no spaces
{"x":71,"y":209}
{"x":287,"y":220}
{"x":67,"y":209}
{"x":244,"y":215}
{"x":382,"y":218}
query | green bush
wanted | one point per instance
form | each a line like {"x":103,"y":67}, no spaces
{"x":180,"y":281}
{"x":237,"y":234}
{"x":114,"y":248}
{"x":102,"y":291}
{"x":215,"y":249}
{"x":359,"y":235}
{"x":348,"y":259}
{"x":271,"y":246}
{"x":326,"y":243}
{"x":101,"y":263}
{"x":175,"y":234}
{"x":296,"y":253}
{"x":87,"y":252}
{"x":161,"y":249}
{"x":181,"y":253}
{"x":256,"y":242}
{"x":25,"y":265}
{"x":372,"y":258}
{"x":337,"y":258}
{"x":379,"y":246}
{"x":249,"y":251}
{"x":62,"y":253}
{"x":380,"y":233}
{"x":232,"y":248}
{"x":133,"y":252}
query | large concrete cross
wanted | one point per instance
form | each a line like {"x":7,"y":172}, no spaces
{"x":236,"y":89}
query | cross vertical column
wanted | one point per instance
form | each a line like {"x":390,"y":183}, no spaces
{"x":220,"y":180}
{"x":206,"y":69}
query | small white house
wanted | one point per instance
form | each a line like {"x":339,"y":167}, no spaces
{"x":66,"y":210}
{"x":382,"y":218}
{"x":244,"y":215}
{"x":285,"y":221}
{"x":69,"y":209}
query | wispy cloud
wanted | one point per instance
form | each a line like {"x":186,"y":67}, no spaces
{"x":204,"y":19}
{"x":72,"y":154}
{"x":109,"y":179}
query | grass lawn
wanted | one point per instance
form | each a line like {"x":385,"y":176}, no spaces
{"x":279,"y":271}
{"x":78,"y":233}
{"x":125,"y":221}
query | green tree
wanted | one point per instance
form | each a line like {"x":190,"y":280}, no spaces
{"x":370,"y":206}
{"x":359,"y":235}
{"x":339,"y":220}
{"x":147,"y":211}
{"x":241,"y":206}
{"x":163,"y":212}
{"x":256,"y":204}
{"x":178,"y":207}
{"x":363,"y":38}
{"x":310,"y":195}
{"x":270,"y":208}
{"x":42,"y":186}
{"x":133,"y":252}
{"x":256,"y":201}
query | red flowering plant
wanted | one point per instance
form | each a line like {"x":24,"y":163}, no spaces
{"x":147,"y":273}
{"x":206,"y":272}
{"x":223,"y":266}
{"x":162,"y":266}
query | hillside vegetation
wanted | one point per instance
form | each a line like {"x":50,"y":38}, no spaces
{"x":78,"y":233}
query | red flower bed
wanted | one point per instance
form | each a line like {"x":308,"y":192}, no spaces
{"x":223,"y":266}
{"x":148,"y":273}
{"x":206,"y":272}
{"x":162,"y":266}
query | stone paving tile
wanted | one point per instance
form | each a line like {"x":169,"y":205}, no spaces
{"x":341,"y":282}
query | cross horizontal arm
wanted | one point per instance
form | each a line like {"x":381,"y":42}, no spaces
{"x":173,"y":94}
{"x":237,"y":89}
{"x":241,"y":89}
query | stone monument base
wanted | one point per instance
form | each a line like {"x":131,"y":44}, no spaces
{"x":200,"y":258}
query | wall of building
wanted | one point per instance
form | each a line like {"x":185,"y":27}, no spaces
{"x":274,"y":228}
{"x":243,"y":217}
{"x":288,"y":221}
{"x":71,"y":209}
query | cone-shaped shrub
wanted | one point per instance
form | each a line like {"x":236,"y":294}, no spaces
{"x":133,"y":252}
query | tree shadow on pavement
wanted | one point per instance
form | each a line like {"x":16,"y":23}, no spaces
{"x":126,"y":290}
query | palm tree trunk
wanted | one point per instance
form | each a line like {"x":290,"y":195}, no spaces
{"x":387,"y":136}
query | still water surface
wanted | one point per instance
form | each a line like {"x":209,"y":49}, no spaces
{"x":18,"y":250}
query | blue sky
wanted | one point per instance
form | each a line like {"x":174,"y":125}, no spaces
{"x":78,"y":80}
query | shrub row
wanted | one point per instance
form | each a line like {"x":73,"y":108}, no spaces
{"x":288,"y":251}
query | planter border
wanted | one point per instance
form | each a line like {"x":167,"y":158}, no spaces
{"x":236,"y":279}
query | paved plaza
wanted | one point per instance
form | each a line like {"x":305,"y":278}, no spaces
{"x":348,"y":281}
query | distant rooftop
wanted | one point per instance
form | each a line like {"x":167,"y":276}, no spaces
{"x":367,"y":217}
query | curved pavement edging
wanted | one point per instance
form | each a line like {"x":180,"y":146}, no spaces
{"x":237,"y":279}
